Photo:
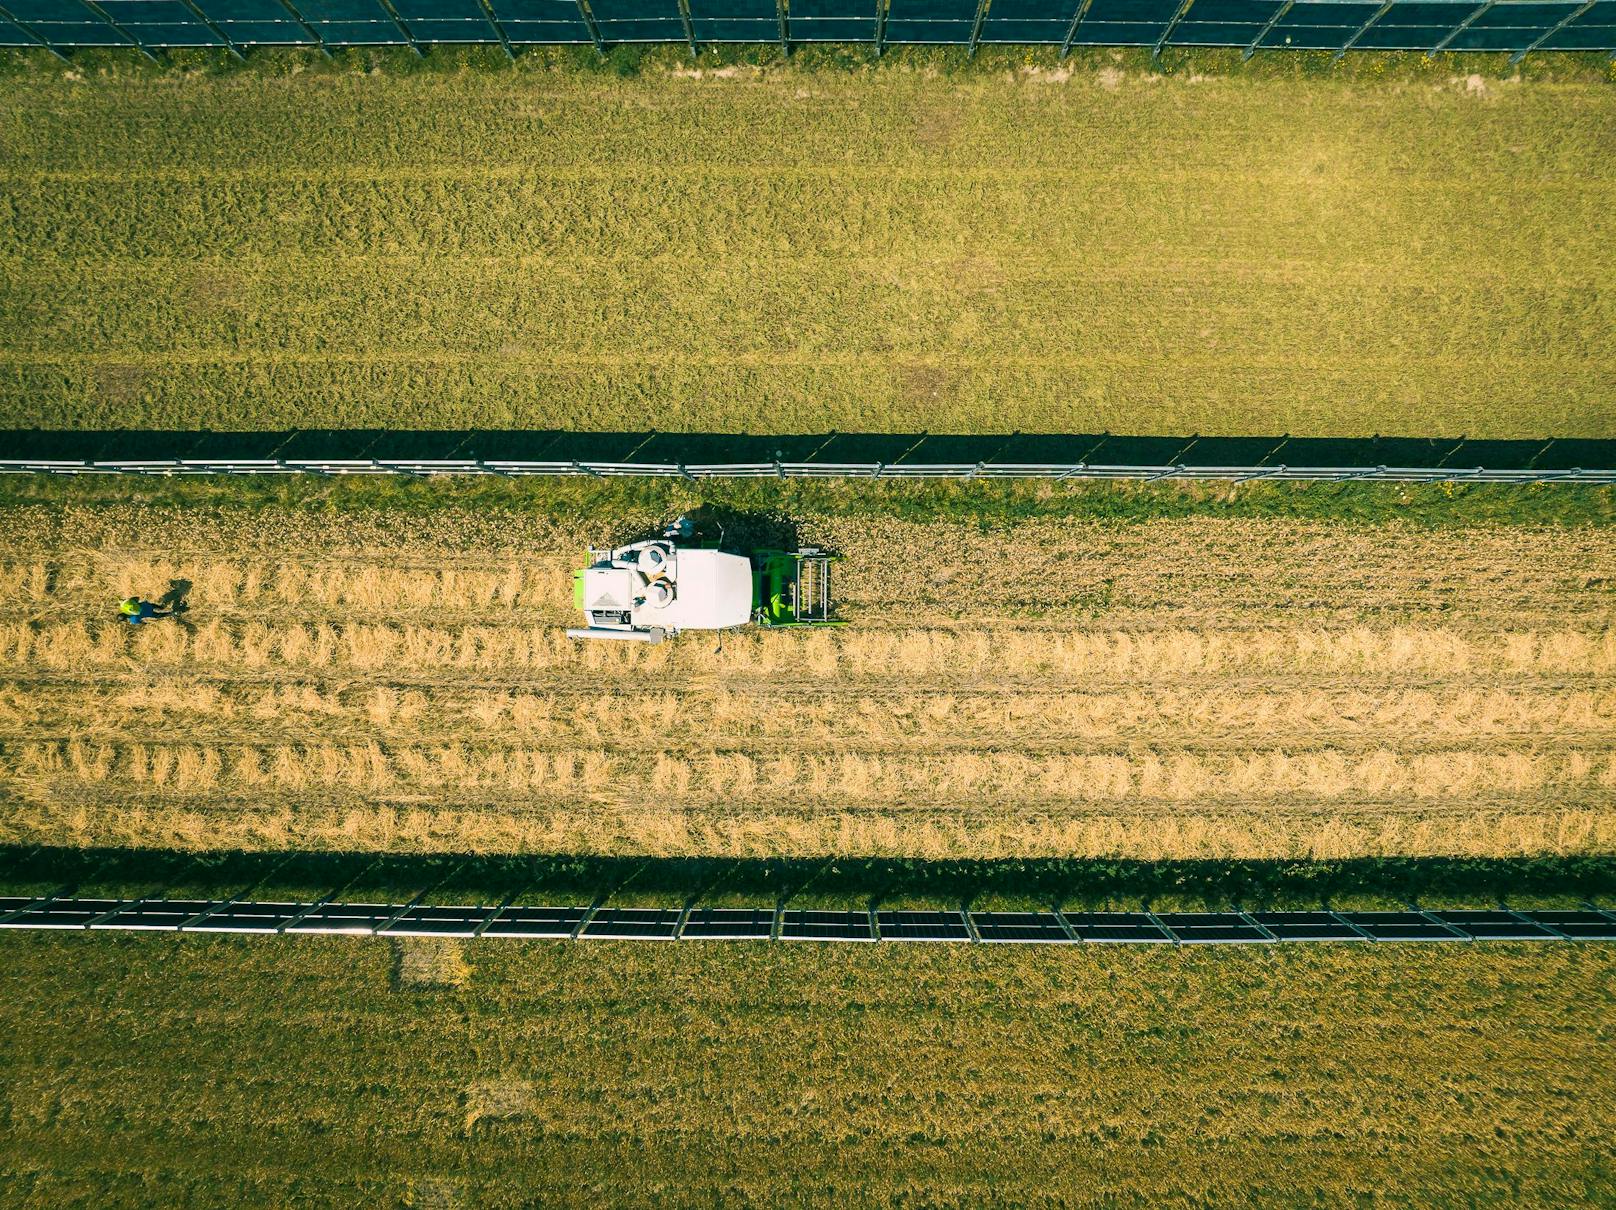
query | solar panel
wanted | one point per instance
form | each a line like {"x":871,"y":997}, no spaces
{"x":1307,"y":926}
{"x":1495,"y":926}
{"x":1211,"y":928}
{"x":1019,"y":927}
{"x":1413,"y":24}
{"x":157,"y":914}
{"x":220,"y":916}
{"x":1578,"y":926}
{"x":346,"y":918}
{"x":1115,"y":926}
{"x":249,"y":918}
{"x":65,"y":913}
{"x":825,"y":926}
{"x":435,"y":921}
{"x":535,"y":922}
{"x":728,"y":924}
{"x":922,"y":926}
{"x":633,"y":924}
{"x":1399,"y":926}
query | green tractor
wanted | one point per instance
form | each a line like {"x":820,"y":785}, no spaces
{"x":648,"y":591}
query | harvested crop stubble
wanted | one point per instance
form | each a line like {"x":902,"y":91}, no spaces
{"x":1161,"y":689}
{"x":806,"y":1075}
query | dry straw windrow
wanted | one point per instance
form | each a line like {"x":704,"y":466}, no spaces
{"x":1144,"y":831}
{"x":901,"y":718}
{"x":956,"y":655}
{"x":898,"y":780}
{"x":1168,"y":689}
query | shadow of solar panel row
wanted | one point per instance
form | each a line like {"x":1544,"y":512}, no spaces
{"x":739,"y":924}
{"x":1322,"y":24}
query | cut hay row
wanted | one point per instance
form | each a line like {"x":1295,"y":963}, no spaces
{"x":958,"y":655}
{"x":540,"y":585}
{"x":1335,"y":830}
{"x":809,"y":716}
{"x":933,"y":780}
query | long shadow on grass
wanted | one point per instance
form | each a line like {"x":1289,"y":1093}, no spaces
{"x":675,"y":881}
{"x":822,"y":449}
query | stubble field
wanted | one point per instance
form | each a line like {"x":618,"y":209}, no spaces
{"x":1170,"y":688}
{"x":1095,"y":248}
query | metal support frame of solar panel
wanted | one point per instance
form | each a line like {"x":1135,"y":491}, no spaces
{"x":728,"y":924}
{"x":1020,"y":928}
{"x":156,"y":915}
{"x":253,"y":917}
{"x":1498,"y":925}
{"x":805,"y":925}
{"x":633,"y":924}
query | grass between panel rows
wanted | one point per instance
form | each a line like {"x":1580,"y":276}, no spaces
{"x":1081,"y":249}
{"x":981,"y":502}
{"x":282,"y":1072}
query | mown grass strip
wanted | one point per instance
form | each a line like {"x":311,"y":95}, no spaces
{"x":339,"y":1070}
{"x":796,"y":250}
{"x":981,"y":502}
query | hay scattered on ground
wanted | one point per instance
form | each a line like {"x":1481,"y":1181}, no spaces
{"x":429,"y":962}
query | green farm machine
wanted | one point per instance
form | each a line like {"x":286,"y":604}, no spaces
{"x":648,"y":591}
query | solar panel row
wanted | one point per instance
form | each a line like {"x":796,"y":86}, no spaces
{"x":1514,"y":25}
{"x":761,"y":924}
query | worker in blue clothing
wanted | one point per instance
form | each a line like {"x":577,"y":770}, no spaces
{"x":134,"y":610}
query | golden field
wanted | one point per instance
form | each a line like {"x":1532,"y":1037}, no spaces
{"x":1180,"y":688}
